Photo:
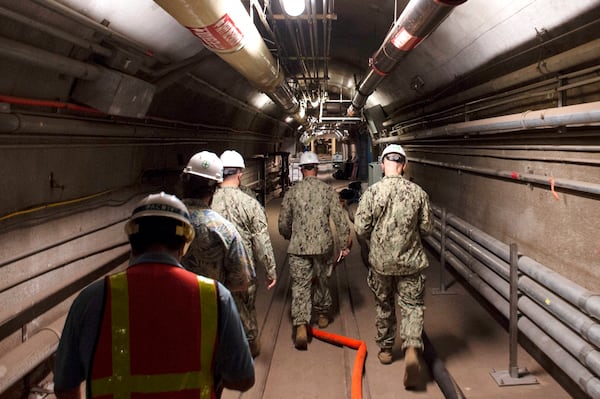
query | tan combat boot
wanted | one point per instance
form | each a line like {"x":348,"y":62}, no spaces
{"x":413,"y":368}
{"x":323,"y":321}
{"x":301,"y":337}
{"x":385,"y":356}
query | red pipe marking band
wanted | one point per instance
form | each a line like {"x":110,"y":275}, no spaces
{"x":377,"y":71}
{"x":359,"y":361}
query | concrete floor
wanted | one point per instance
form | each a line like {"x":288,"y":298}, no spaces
{"x":468,"y":340}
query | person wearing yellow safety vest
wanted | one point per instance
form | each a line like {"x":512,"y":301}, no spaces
{"x":154,"y":329}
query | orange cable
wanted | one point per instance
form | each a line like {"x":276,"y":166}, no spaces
{"x":359,"y":361}
{"x":554,"y":193}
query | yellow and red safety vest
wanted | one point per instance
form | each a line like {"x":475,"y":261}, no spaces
{"x":157,"y":337}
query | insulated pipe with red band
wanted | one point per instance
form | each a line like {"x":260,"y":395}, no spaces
{"x":226,"y":29}
{"x":418,"y":20}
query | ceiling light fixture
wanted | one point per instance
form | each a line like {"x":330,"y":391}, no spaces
{"x":293,"y":8}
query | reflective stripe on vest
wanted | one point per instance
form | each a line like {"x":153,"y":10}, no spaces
{"x":122,"y":384}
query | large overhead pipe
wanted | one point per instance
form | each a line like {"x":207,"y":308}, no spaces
{"x":226,"y":29}
{"x":418,"y":20}
{"x":570,"y":115}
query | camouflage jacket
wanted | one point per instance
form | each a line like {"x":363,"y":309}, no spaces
{"x":249,"y":218}
{"x":304,"y":218}
{"x":217,"y":250}
{"x":394,"y":214}
{"x":247,"y":190}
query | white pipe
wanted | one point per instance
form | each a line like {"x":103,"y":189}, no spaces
{"x":20,"y":361}
{"x":226,"y":29}
{"x":551,"y":66}
{"x":572,"y":115}
{"x":586,"y":380}
{"x":418,"y":20}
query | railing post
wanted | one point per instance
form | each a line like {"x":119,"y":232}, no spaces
{"x":442,"y":289}
{"x":514,"y":375}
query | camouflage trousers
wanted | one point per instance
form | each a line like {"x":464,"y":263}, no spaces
{"x":410,"y":291}
{"x":310,"y":287}
{"x":245,"y":302}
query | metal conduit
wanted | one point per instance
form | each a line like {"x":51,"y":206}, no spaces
{"x":586,"y":301}
{"x":575,"y":185}
{"x":233,"y":100}
{"x":568,"y":364}
{"x":498,"y":155}
{"x":142,"y":51}
{"x":579,"y":114}
{"x":573,"y":317}
{"x":79,"y":268}
{"x":580,"y":297}
{"x":57,"y":126}
{"x":568,"y":314}
{"x":45,"y":59}
{"x":588,"y":382}
{"x":565,"y":336}
{"x":473,"y":107}
{"x":576,"y":56}
{"x":585,"y":353}
{"x":492,"y":296}
{"x":539,"y":306}
{"x":41,"y":346}
{"x":93,"y":47}
{"x":27,"y":356}
{"x":418,"y":20}
{"x":481,"y":270}
{"x":516,"y":147}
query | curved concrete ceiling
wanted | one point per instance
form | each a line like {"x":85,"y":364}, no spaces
{"x":479,"y":39}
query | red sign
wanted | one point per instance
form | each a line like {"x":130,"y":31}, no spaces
{"x":403,"y":40}
{"x":222,"y":35}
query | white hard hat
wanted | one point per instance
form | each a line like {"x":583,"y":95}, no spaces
{"x":393,"y":149}
{"x":207,"y":165}
{"x":308,"y":158}
{"x":163,"y":205}
{"x":232,"y":159}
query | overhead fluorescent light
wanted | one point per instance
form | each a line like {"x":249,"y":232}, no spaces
{"x":293,"y":8}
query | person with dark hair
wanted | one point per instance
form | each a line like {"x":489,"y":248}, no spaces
{"x":250,"y":220}
{"x":154,"y":329}
{"x":392,"y":215}
{"x":218,"y":251}
{"x":304,"y":219}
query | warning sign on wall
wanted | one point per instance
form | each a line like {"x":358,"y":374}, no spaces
{"x":223,"y":35}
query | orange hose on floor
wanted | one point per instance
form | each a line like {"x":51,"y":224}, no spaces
{"x":359,"y":361}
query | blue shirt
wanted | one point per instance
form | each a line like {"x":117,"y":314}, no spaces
{"x":75,"y":351}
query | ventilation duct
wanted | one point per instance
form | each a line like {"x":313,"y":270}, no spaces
{"x":226,"y":29}
{"x":418,"y":20}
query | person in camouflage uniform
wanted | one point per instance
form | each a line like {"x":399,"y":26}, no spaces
{"x":249,"y":218}
{"x":304,"y":220}
{"x":394,"y":214}
{"x":218,"y":250}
